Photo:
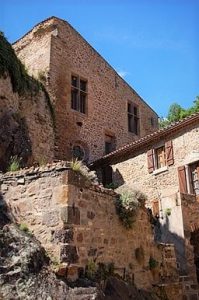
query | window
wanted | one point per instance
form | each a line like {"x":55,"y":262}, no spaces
{"x":78,"y":152}
{"x":133,"y":118}
{"x":152,"y":122}
{"x":78,"y":94}
{"x":160,"y":157}
{"x":109,"y":144}
{"x":188,"y":176}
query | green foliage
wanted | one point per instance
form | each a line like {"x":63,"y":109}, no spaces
{"x":168,"y":211}
{"x":127,"y":205}
{"x":23,"y":227}
{"x":176,"y":113}
{"x":14,"y":164}
{"x":153,"y":263}
{"x":78,"y":166}
{"x":100,"y":271}
{"x":139,"y":254}
{"x":111,"y":186}
{"x":20,"y":80}
{"x":91,"y":270}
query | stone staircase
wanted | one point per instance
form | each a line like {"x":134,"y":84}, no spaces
{"x":190,"y":288}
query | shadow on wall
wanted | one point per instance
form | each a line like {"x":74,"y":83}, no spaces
{"x":164,"y":235}
{"x":4,"y":212}
{"x":14,"y":140}
{"x":117,"y":177}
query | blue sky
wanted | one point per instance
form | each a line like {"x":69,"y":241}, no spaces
{"x":153,"y":44}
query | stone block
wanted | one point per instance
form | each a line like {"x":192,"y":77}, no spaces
{"x":68,"y":253}
{"x":51,"y":218}
{"x":62,"y":235}
{"x":70,"y":215}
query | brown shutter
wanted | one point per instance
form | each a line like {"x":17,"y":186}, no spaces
{"x":150,"y":161}
{"x":182,"y":180}
{"x":155,"y":208}
{"x":169,"y":153}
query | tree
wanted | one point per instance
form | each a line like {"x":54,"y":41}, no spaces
{"x":176,"y":113}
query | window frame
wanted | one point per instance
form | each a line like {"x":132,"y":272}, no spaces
{"x":188,"y":186}
{"x":152,"y":159}
{"x":78,"y":105}
{"x":135,"y":118}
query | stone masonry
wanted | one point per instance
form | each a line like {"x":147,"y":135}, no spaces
{"x":54,"y":51}
{"x":177,"y":211}
{"x":77,"y":223}
{"x":34,"y":113}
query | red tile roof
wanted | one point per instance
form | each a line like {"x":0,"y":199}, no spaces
{"x":131,"y":149}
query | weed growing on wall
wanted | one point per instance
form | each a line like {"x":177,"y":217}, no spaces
{"x":99,"y":272}
{"x":14,"y":164}
{"x":78,"y":166}
{"x":153,"y":263}
{"x":127,"y":205}
{"x":20,"y":80}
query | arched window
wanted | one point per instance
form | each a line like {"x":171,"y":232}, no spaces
{"x":78,"y":152}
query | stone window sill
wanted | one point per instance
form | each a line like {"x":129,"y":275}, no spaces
{"x":160,"y":170}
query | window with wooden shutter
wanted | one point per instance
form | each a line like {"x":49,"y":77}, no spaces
{"x":182,"y":180}
{"x":150,"y":161}
{"x":169,"y":153}
{"x":160,"y":157}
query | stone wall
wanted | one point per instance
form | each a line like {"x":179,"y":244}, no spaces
{"x":108,"y":93}
{"x":163,"y":185}
{"x":26,"y":125}
{"x":77,"y":224}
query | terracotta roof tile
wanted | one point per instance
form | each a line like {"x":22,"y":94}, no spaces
{"x":144,"y":141}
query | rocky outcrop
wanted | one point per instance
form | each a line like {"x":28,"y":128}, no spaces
{"x":25,"y":273}
{"x":26,"y":113}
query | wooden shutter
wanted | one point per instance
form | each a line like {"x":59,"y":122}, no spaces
{"x":150,"y":161}
{"x":169,"y":153}
{"x":182,"y":180}
{"x":155,"y":208}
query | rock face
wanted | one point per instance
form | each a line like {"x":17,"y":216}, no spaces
{"x":26,"y":113}
{"x":25,"y":273}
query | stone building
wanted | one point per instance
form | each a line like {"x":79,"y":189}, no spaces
{"x":96,"y":111}
{"x":165,"y":166}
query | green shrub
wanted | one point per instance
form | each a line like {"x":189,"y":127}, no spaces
{"x":127,"y":205}
{"x":111,"y":186}
{"x":91,"y":269}
{"x":100,"y":271}
{"x":153,"y":263}
{"x":24,"y":227}
{"x":168,"y":211}
{"x":14,"y":164}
